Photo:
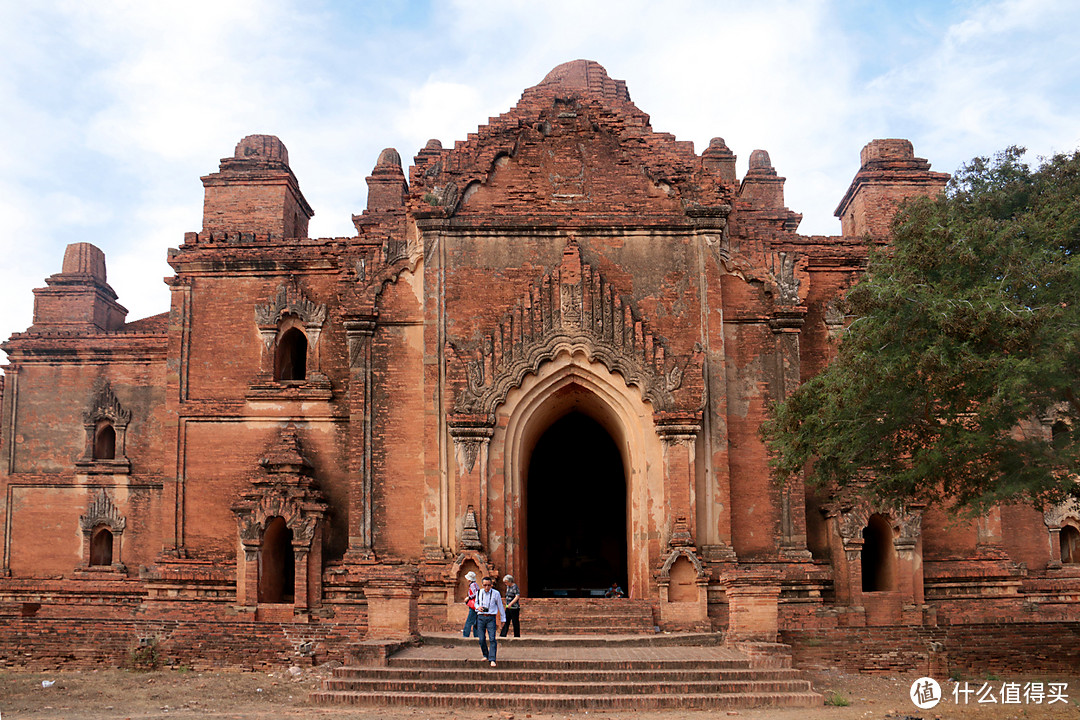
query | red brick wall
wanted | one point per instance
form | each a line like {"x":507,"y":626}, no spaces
{"x":982,"y":648}
{"x":42,"y":643}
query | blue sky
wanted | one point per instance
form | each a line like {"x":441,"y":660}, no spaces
{"x":111,"y":111}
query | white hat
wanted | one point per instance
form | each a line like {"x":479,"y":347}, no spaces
{"x":470,"y":575}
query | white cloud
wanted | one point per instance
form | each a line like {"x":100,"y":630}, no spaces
{"x":113,"y":110}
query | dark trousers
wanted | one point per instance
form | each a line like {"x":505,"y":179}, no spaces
{"x":488,"y":626}
{"x":512,"y":617}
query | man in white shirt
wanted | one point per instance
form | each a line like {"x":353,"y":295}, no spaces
{"x":489,"y":613}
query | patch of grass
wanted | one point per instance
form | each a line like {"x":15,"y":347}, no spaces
{"x":145,"y":654}
{"x":836,"y":699}
{"x":991,"y":677}
{"x":813,"y":642}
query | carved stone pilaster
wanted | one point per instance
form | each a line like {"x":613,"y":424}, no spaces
{"x":359,"y":333}
{"x":471,"y":434}
{"x":835,"y":318}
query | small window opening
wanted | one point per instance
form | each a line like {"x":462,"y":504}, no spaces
{"x":290,"y":362}
{"x":1059,"y":434}
{"x":1070,"y":544}
{"x":878,"y":555}
{"x":105,"y":443}
{"x":101,"y":547}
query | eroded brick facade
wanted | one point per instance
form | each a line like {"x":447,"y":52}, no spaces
{"x":548,"y":352}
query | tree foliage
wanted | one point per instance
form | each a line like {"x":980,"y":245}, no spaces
{"x":963,"y":349}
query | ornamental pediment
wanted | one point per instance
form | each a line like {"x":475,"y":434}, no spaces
{"x":575,"y":309}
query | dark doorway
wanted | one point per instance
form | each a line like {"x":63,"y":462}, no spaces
{"x":878,"y":556}
{"x":576,"y":510}
{"x":276,"y":565}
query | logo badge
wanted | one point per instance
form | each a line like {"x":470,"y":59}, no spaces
{"x":925,"y":693}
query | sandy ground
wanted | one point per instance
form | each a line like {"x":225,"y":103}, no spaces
{"x":182,"y":693}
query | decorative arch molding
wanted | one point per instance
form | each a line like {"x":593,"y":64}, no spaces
{"x":676,"y":553}
{"x":1056,"y":518}
{"x":478,"y":557}
{"x":288,"y":313}
{"x":102,"y":513}
{"x":287,"y":490}
{"x":906,"y":523}
{"x":573,"y":310}
{"x":289,"y":300}
{"x":105,"y":410}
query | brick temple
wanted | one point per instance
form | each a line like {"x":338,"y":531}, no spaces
{"x":547,"y":351}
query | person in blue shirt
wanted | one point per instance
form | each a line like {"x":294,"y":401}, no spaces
{"x":489,"y":613}
{"x":615,"y":591}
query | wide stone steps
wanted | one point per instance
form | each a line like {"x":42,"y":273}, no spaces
{"x":583,"y":686}
{"x":573,"y":674}
{"x":508,"y":672}
{"x":485,"y":697}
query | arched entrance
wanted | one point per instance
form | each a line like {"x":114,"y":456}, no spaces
{"x":570,"y":384}
{"x":575,"y":491}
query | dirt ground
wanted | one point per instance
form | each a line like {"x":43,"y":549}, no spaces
{"x":183,"y":693}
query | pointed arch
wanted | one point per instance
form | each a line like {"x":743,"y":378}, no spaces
{"x":571,"y":382}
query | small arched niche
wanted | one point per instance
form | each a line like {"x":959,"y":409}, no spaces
{"x":1069,"y":537}
{"x":104,"y":441}
{"x":878,"y":555}
{"x":290,"y":356}
{"x":101,"y":547}
{"x":461,"y":588}
{"x":683,"y":587}
{"x":277,"y":569}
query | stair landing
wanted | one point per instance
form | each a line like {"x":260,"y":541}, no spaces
{"x":586,"y":616}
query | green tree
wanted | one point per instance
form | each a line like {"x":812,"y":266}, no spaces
{"x":964,"y":342}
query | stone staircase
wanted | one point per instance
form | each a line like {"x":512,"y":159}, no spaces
{"x":585,"y":616}
{"x":573,"y":674}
